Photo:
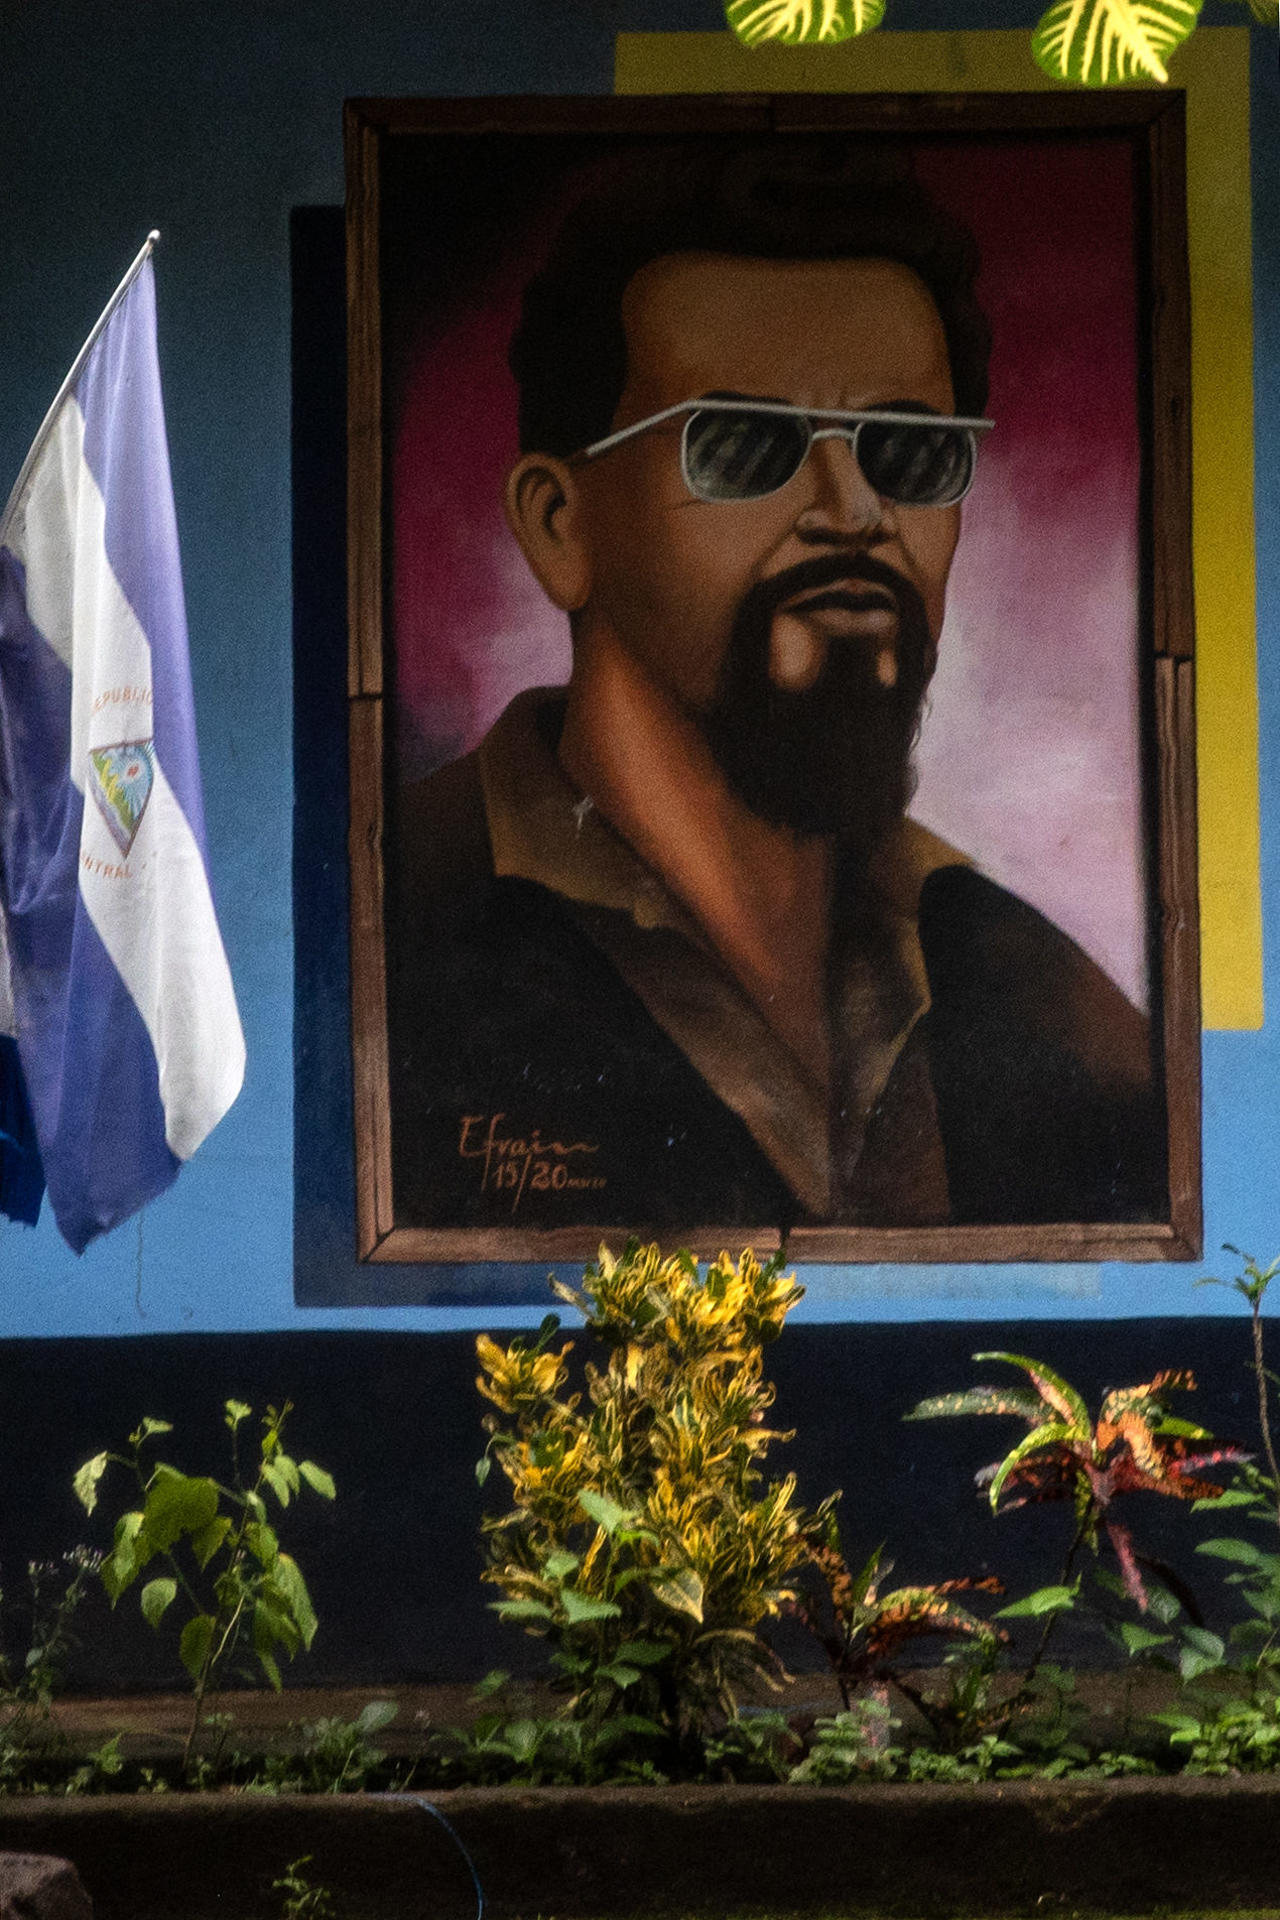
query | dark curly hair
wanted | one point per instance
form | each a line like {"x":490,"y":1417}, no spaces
{"x":787,"y":200}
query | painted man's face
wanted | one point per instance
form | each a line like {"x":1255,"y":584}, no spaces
{"x":800,"y":629}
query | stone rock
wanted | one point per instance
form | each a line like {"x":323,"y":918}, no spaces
{"x":39,"y":1886}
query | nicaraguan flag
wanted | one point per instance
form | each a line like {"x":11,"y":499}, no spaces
{"x":126,"y":1023}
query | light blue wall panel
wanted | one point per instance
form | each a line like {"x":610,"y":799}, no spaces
{"x":212,"y":123}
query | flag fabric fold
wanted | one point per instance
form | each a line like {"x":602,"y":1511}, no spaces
{"x":21,"y":1173}
{"x":126,"y":1026}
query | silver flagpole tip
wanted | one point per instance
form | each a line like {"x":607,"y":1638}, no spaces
{"x":153,"y":236}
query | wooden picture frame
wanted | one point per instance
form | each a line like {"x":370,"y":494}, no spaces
{"x":449,"y":205}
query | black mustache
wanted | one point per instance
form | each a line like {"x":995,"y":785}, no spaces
{"x":764,"y":599}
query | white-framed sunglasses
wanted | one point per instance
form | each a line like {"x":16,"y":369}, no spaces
{"x":733,"y":449}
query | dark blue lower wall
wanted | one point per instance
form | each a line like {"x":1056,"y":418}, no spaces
{"x":394,"y":1564}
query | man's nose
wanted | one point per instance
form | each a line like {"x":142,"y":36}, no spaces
{"x":839,"y":503}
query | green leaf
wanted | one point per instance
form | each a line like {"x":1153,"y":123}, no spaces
{"x":1043,"y":1600}
{"x":85,"y":1484}
{"x":193,"y":1648}
{"x":270,"y":1668}
{"x":375,"y":1715}
{"x":262,"y":1542}
{"x":1232,"y":1497}
{"x":680,"y":1589}
{"x":1052,"y":1388}
{"x":206,"y":1542}
{"x":559,"y":1565}
{"x":1112,"y":43}
{"x":1014,"y":1400}
{"x":605,"y":1512}
{"x":289,"y":1582}
{"x":520,"y":1609}
{"x":277,"y":1480}
{"x":322,"y":1483}
{"x":1180,"y":1429}
{"x":1242,"y":1550}
{"x":146,"y":1428}
{"x":644,"y":1653}
{"x":273,"y":1624}
{"x":156,"y":1597}
{"x":797,"y":23}
{"x":177,"y":1503}
{"x":1204,"y":1642}
{"x":127,"y":1558}
{"x":484,"y":1467}
{"x":288,"y":1466}
{"x":636,"y":1723}
{"x":1140,"y":1639}
{"x":1042,"y":1438}
{"x":621,"y":1675}
{"x":580,"y":1607}
{"x":236,"y":1412}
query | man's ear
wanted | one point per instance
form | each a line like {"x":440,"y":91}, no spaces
{"x":544,"y":511}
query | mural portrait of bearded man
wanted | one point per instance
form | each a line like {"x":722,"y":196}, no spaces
{"x":668,"y":949}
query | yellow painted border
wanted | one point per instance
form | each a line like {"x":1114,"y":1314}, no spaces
{"x":1213,"y":68}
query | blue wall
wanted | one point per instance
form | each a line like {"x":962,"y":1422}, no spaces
{"x":214,"y":123}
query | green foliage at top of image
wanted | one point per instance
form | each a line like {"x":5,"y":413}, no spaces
{"x":644,"y":1541}
{"x":224,"y":1575}
{"x":1084,"y":43}
{"x":802,"y":23}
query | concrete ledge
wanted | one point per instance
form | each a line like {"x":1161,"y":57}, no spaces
{"x":1024,"y":1847}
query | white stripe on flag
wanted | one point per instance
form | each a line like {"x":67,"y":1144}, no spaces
{"x":7,"y":1023}
{"x":152,"y":908}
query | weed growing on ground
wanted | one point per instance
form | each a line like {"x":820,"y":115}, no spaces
{"x":304,"y":1899}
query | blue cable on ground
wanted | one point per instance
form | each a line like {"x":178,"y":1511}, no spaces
{"x":420,"y":1800}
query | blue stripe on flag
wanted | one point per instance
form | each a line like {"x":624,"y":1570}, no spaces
{"x":39,"y":808}
{"x":21,"y":1175}
{"x":89,"y":1064}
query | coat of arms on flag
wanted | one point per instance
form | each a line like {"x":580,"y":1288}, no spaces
{"x":126,"y":1047}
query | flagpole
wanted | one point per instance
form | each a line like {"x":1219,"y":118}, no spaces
{"x":144,"y":253}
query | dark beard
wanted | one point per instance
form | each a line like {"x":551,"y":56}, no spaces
{"x":835,"y":758}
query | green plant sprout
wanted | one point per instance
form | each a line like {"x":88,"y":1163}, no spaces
{"x":1086,"y":43}
{"x":1252,"y":1286}
{"x":226,"y":1574}
{"x":1228,"y":1717}
{"x":304,"y":1899}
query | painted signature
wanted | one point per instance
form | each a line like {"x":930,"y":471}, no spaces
{"x":518,"y":1163}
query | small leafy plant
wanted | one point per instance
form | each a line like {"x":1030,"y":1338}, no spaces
{"x":225,"y":1574}
{"x":304,"y":1899}
{"x":1227,"y":1719}
{"x":861,"y":1629}
{"x":334,"y":1755}
{"x":643,"y":1541}
{"x":32,"y":1744}
{"x":1134,"y":1445}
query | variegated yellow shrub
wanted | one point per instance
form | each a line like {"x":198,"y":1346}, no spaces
{"x":644,"y":1540}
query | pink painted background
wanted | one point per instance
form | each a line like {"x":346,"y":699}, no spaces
{"x":1030,"y":755}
